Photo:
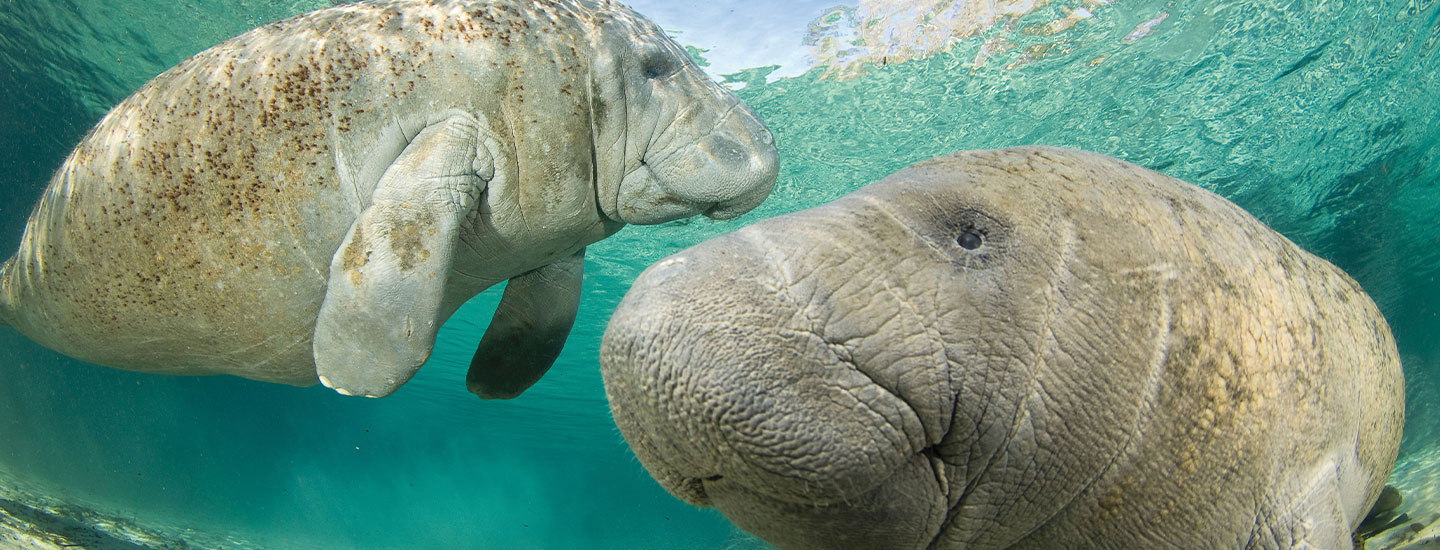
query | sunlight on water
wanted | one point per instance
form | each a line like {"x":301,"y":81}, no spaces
{"x":1317,"y":116}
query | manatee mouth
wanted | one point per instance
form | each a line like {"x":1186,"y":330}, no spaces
{"x":692,"y":490}
{"x":645,"y":198}
{"x":342,"y":391}
{"x":648,"y":196}
{"x":722,"y":172}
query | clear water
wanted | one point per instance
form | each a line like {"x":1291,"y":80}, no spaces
{"x":1319,"y":116}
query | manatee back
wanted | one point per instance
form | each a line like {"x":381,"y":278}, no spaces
{"x":1283,"y":386}
{"x":190,"y":232}
{"x":188,"y":197}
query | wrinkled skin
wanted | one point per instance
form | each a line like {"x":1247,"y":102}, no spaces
{"x":1018,"y":348}
{"x":313,"y":199}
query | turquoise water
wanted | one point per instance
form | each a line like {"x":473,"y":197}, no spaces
{"x":1320,"y":117}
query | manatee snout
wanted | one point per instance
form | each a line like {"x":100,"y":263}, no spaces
{"x":731,"y":397}
{"x":722,"y":173}
{"x":739,"y":161}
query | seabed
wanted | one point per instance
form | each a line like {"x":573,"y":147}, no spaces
{"x":1418,"y":479}
{"x":33,"y":521}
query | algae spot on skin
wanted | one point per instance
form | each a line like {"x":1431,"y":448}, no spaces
{"x":407,"y":244}
{"x":354,"y":257}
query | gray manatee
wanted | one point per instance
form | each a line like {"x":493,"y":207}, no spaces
{"x":320,"y":194}
{"x":1016,"y":348}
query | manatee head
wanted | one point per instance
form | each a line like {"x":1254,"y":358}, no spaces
{"x":964,"y":354}
{"x":805,"y":374}
{"x":670,"y":142}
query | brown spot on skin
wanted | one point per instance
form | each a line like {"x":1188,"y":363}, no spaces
{"x":407,"y":243}
{"x":355,"y":256}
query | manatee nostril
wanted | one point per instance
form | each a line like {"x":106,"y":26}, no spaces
{"x":716,"y":477}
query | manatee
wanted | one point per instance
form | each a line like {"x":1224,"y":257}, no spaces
{"x":1016,"y":348}
{"x":314,"y":198}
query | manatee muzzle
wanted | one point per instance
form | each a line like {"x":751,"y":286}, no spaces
{"x":722,"y":174}
{"x":720,"y":396}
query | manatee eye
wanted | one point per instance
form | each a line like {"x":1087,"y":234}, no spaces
{"x":970,"y":239}
{"x":983,"y":239}
{"x":659,"y":65}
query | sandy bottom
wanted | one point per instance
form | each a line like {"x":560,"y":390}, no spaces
{"x":1415,"y":525}
{"x":31,"y":521}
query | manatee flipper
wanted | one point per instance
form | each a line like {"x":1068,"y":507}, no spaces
{"x":1320,"y":518}
{"x":528,"y":330}
{"x":383,"y":298}
{"x":7,"y":308}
